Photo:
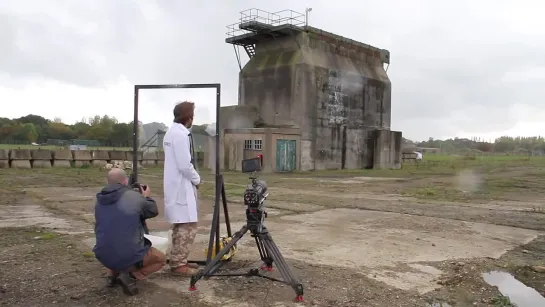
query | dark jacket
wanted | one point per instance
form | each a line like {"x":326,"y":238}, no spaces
{"x":119,"y":231}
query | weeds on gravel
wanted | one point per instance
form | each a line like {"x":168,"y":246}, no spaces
{"x":502,"y":301}
{"x":88,"y":255}
{"x":46,"y":236}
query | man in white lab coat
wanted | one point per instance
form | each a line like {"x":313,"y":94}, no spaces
{"x":181,"y":182}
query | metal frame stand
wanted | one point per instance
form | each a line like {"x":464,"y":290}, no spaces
{"x":269,"y":253}
{"x":220,"y":187}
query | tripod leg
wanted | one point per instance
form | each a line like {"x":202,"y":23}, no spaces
{"x":283,"y":267}
{"x":265,"y":257}
{"x":225,"y":209}
{"x":218,"y":229}
{"x":213,"y":263}
{"x":214,"y":229}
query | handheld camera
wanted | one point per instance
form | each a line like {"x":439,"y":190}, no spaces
{"x":135,"y":185}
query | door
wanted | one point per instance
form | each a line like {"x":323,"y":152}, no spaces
{"x":285,"y":155}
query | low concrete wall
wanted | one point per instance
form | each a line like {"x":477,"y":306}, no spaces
{"x":81,"y":158}
{"x":40,"y":158}
{"x":19,"y":158}
{"x":150,"y":158}
{"x":4,"y":158}
{"x":139,"y":157}
{"x":100,"y":158}
{"x":62,"y":158}
{"x":160,"y":158}
{"x":118,"y":155}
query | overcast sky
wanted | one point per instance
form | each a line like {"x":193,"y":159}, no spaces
{"x":458,"y":68}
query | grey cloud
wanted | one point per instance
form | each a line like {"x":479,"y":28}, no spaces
{"x":449,"y":59}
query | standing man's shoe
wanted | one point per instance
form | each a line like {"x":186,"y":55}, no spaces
{"x":184,"y":270}
{"x":189,"y":264}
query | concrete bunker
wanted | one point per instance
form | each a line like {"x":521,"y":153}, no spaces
{"x":332,"y":90}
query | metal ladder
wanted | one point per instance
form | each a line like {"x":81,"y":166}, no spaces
{"x":250,"y":50}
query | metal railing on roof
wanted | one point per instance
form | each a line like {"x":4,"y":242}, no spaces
{"x":284,"y":17}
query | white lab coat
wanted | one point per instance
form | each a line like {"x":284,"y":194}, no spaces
{"x":180,"y":177}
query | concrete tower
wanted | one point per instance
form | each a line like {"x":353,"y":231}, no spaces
{"x":332,"y":90}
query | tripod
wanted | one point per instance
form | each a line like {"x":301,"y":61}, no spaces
{"x":268,"y":252}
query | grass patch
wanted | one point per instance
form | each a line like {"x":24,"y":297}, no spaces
{"x":502,"y":301}
{"x":47,"y":236}
{"x":24,"y":235}
{"x":437,"y":193}
{"x":88,"y":255}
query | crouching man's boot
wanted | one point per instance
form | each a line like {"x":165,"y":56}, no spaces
{"x":128,"y":283}
{"x":111,"y":278}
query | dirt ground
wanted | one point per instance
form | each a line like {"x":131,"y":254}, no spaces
{"x":420,"y":237}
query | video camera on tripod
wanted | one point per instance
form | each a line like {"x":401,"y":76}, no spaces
{"x":254,"y":200}
{"x":254,"y":195}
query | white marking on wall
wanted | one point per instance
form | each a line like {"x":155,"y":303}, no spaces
{"x":335,"y":109}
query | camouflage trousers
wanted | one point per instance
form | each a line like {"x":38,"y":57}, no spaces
{"x":183,"y":236}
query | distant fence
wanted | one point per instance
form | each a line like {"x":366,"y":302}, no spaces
{"x":45,"y":158}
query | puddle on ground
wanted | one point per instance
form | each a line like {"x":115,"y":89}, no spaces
{"x":518,"y":293}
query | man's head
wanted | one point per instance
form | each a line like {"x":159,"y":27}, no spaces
{"x":117,"y":176}
{"x":184,"y":112}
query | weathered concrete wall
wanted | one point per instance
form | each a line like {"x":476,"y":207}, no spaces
{"x":233,"y":117}
{"x":334,"y":89}
{"x":234,"y":153}
{"x":388,"y":152}
{"x":233,"y":144}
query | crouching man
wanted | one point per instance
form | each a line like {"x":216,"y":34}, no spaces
{"x":120,"y":243}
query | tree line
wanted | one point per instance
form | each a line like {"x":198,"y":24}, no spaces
{"x":107,"y":130}
{"x":504,"y":144}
